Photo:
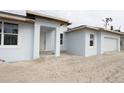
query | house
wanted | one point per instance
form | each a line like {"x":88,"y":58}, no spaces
{"x":27,"y":37}
{"x":87,"y":40}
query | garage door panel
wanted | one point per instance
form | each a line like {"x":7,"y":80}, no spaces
{"x":110,"y":44}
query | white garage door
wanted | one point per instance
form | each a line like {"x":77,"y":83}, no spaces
{"x":110,"y":44}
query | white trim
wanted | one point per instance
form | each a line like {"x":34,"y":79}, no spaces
{"x":57,"y":43}
{"x":10,"y":46}
{"x":93,"y":39}
{"x":36,"y":42}
{"x":2,"y":36}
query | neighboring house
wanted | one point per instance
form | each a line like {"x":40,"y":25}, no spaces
{"x":27,"y":37}
{"x":87,"y":40}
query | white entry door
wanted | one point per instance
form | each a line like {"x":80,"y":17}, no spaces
{"x":110,"y":44}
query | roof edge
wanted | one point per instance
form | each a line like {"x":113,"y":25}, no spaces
{"x":48,"y":16}
{"x":11,"y":16}
{"x":93,"y":28}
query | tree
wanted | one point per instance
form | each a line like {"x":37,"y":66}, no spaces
{"x":106,"y":21}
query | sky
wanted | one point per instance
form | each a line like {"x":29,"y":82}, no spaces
{"x":85,"y":17}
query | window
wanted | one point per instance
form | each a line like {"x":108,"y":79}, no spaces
{"x":0,"y":32}
{"x":10,"y":34}
{"x":61,"y":39}
{"x":91,"y":40}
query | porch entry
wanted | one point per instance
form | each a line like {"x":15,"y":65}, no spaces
{"x":47,"y":40}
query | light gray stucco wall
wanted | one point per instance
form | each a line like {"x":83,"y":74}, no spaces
{"x":29,"y":40}
{"x":25,"y":44}
{"x":58,"y":29}
{"x":49,"y":23}
{"x":63,"y":30}
{"x":75,"y":42}
{"x":99,"y":35}
{"x":98,"y":47}
{"x":90,"y":50}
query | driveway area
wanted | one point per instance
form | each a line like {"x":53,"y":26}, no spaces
{"x":67,"y":68}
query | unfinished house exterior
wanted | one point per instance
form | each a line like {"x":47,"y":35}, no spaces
{"x":88,"y":41}
{"x":27,"y":37}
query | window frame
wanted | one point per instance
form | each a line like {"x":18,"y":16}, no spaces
{"x":3,"y":34}
{"x":92,"y":39}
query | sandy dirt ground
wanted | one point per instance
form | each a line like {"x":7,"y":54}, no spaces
{"x":66,"y":69}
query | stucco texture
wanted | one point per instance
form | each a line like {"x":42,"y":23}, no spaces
{"x":77,"y":42}
{"x":24,"y":49}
